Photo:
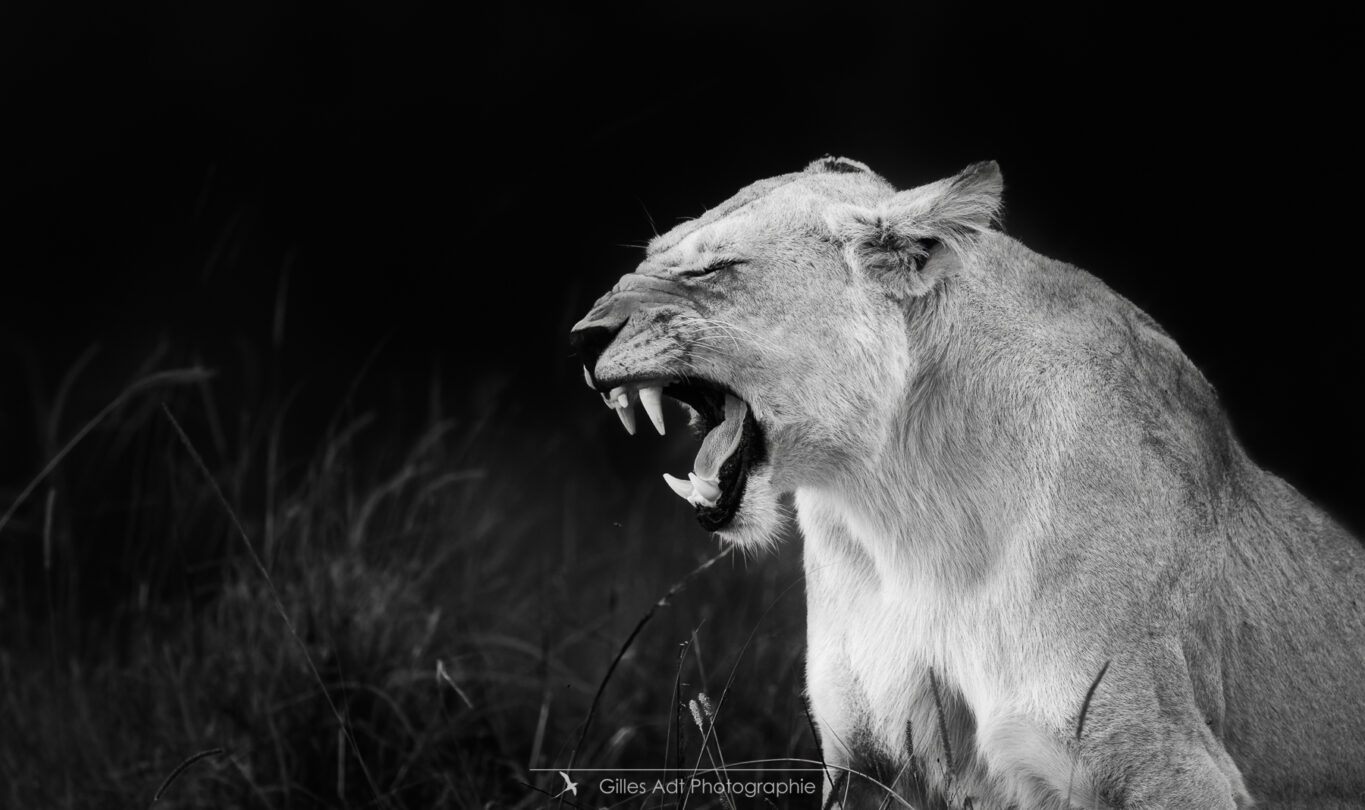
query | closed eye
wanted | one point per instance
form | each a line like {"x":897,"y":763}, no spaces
{"x":717,"y":265}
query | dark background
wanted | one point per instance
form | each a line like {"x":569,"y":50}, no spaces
{"x":448,"y":189}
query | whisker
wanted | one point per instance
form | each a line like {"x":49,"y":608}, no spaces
{"x":734,"y":332}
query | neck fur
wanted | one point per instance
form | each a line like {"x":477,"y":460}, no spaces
{"x":952,"y":488}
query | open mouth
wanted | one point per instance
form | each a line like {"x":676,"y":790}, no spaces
{"x":731,"y":441}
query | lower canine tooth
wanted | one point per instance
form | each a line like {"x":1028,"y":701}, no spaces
{"x":587,"y":378}
{"x":706,"y":490}
{"x":627,"y":415}
{"x":683,"y":489}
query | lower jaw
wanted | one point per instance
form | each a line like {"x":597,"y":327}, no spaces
{"x":760,"y":524}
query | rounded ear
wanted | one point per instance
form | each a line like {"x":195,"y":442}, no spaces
{"x":875,"y":246}
{"x":894,"y":242}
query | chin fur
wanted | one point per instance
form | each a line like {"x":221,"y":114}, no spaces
{"x":758,"y":523}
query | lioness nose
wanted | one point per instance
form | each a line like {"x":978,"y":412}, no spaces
{"x":591,"y":336}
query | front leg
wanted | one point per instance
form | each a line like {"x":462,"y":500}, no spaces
{"x":1149,"y":741}
{"x":920,"y":749}
{"x":855,"y":766}
{"x":1144,"y":744}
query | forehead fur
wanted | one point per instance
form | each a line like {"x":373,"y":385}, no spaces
{"x":826,"y":181}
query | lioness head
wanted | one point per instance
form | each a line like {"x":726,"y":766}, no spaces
{"x":786,"y":319}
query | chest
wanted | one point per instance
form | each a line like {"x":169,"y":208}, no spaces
{"x":902,"y":646}
{"x":884,"y":643}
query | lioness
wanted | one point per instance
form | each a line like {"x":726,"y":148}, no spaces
{"x":1009,"y":480}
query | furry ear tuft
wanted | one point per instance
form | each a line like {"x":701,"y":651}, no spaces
{"x":875,"y":246}
{"x":894,"y":242}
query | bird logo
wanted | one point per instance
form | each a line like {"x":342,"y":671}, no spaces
{"x":570,"y":786}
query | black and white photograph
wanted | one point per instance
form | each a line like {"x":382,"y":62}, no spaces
{"x":681,"y":405}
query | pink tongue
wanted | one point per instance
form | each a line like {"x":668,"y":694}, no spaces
{"x":722,"y":441}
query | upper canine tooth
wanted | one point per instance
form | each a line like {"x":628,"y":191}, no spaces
{"x":707,"y":490}
{"x":627,"y":418}
{"x":652,"y":398}
{"x":683,"y":489}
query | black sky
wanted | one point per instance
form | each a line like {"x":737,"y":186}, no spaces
{"x":462,"y":182}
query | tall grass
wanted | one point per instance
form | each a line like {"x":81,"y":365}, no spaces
{"x":462,"y":586}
